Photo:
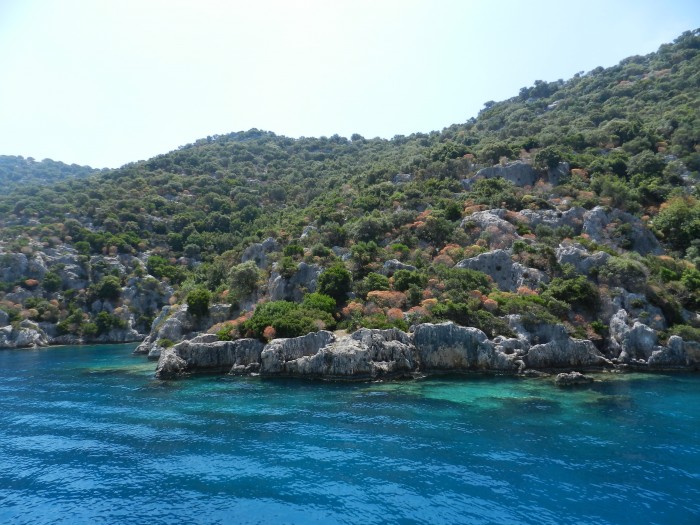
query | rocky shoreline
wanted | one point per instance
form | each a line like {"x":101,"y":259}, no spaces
{"x":371,"y":354}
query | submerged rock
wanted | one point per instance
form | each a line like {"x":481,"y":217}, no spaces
{"x":572,"y":378}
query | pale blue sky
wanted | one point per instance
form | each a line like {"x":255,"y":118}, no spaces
{"x":109,"y":82}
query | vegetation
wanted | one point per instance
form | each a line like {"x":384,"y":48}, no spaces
{"x":345,"y":207}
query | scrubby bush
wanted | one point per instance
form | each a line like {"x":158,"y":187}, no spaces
{"x":198,"y":301}
{"x":288,"y":319}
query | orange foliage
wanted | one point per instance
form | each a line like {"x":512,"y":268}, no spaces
{"x":387,"y":299}
{"x":428,"y":304}
{"x":394,"y":314}
{"x":351,"y":308}
{"x":524,"y":290}
{"x":490,"y":305}
{"x":269,"y":333}
{"x":31,"y":283}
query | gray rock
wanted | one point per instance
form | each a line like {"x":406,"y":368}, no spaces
{"x":555,"y":218}
{"x":447,"y":346}
{"x":580,"y":258}
{"x":278,"y":352}
{"x":401,"y":178}
{"x":308,"y":231}
{"x":565,"y":353}
{"x":258,"y":252}
{"x":572,"y":378}
{"x":508,"y":275}
{"x":205,"y":353}
{"x":556,"y":175}
{"x":517,"y":172}
{"x":27,"y":335}
{"x":304,"y":280}
{"x":393,"y":265}
{"x":673,"y":355}
{"x":599,"y":224}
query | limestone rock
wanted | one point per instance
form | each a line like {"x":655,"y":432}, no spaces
{"x":27,"y":335}
{"x":603,"y":227}
{"x":556,"y":175}
{"x":565,"y":353}
{"x":518,"y":172}
{"x":206,"y":353}
{"x":447,"y":346}
{"x":304,"y":280}
{"x":572,"y":378}
{"x":580,"y":258}
{"x":672,"y":355}
{"x":508,"y":275}
{"x":258,"y":252}
{"x":278,"y":352}
{"x":393,"y":265}
{"x":572,"y":218}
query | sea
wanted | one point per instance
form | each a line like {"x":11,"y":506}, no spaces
{"x":88,"y":435}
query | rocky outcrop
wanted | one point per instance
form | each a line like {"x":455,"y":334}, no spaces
{"x":258,"y":252}
{"x":492,"y":227}
{"x":508,"y":275}
{"x":175,"y":324}
{"x":26,"y":335}
{"x":391,"y":266}
{"x":573,"y":218}
{"x":206,"y":353}
{"x":518,"y":172}
{"x":373,"y":354}
{"x":581,"y":259}
{"x":631,"y":344}
{"x":293,"y":288}
{"x":572,"y":379}
{"x":620,"y":230}
{"x":279,"y":352}
{"x":450,"y":347}
{"x":557,"y":174}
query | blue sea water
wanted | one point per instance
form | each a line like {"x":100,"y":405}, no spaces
{"x":88,"y":436}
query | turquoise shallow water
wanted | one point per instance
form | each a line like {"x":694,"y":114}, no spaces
{"x":88,"y":436}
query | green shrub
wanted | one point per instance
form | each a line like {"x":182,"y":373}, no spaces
{"x":335,"y":282}
{"x":288,"y":319}
{"x":372,"y":281}
{"x":198,"y":302}
{"x":687,"y":332}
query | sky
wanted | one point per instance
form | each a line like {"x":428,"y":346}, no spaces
{"x":107,"y":82}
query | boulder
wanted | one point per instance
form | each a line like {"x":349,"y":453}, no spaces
{"x":580,"y":258}
{"x":518,"y":172}
{"x":557,"y":174}
{"x":207,"y":353}
{"x":508,"y":275}
{"x":4,"y":318}
{"x":304,"y":280}
{"x":27,"y":335}
{"x":572,"y":378}
{"x":673,"y":355}
{"x":572,"y":218}
{"x":278,"y":352}
{"x":258,"y":252}
{"x":449,"y":347}
{"x":391,"y":266}
{"x":603,"y":227}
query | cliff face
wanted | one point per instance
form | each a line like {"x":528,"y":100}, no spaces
{"x":445,"y":347}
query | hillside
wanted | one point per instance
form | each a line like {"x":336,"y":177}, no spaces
{"x":574,"y":204}
{"x":17,"y":172}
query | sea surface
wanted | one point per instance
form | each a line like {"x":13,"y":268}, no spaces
{"x":87,"y":435}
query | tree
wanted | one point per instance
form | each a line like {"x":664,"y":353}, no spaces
{"x":198,"y":302}
{"x":335,"y":282}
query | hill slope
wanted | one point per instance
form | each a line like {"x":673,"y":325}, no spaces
{"x":557,"y":205}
